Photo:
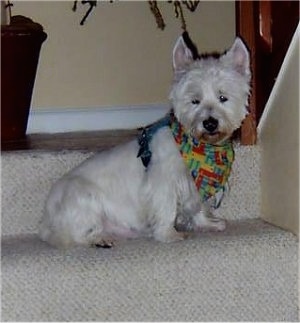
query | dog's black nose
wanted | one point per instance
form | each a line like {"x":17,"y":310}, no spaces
{"x":210,"y":124}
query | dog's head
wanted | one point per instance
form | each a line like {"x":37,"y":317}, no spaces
{"x":210,"y":93}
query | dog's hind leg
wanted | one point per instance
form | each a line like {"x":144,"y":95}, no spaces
{"x":96,"y":237}
{"x":74,"y":214}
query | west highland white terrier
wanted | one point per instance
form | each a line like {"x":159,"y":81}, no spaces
{"x":166,"y":182}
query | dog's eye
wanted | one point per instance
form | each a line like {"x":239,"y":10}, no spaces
{"x":223,"y":98}
{"x":195,"y":101}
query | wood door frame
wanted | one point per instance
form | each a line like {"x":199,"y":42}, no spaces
{"x":245,"y":28}
{"x":267,"y":28}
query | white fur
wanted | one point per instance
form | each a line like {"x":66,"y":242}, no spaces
{"x":111,"y":195}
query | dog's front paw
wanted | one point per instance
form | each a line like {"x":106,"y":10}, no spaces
{"x":203,"y":223}
{"x":216,"y":224}
{"x":169,"y":235}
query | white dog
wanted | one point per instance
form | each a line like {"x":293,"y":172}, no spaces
{"x":147,"y":187}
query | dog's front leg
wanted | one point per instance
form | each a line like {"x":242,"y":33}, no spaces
{"x":165,"y":229}
{"x":194,"y":215}
{"x":165,"y":210}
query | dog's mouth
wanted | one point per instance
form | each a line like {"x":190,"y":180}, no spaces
{"x":213,"y":137}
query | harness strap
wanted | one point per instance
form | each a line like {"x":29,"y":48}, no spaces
{"x":146,"y":136}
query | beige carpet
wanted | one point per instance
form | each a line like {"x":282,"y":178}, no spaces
{"x":249,"y":272}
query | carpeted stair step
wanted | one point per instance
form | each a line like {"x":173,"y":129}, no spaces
{"x":247,"y":273}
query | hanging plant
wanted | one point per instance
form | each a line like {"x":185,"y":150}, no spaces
{"x":178,"y":10}
{"x":92,"y":5}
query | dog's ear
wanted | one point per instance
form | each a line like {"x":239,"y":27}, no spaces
{"x":182,"y":55}
{"x":239,"y":57}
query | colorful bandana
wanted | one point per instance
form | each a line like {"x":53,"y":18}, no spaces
{"x":209,"y":165}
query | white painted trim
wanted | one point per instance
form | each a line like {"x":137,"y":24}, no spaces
{"x":67,"y":120}
{"x":280,"y":78}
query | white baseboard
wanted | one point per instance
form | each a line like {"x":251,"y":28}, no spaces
{"x":91,"y":119}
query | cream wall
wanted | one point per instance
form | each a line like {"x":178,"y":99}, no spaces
{"x":278,"y":134}
{"x":119,"y":57}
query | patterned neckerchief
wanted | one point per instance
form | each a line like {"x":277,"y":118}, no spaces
{"x":209,"y":165}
